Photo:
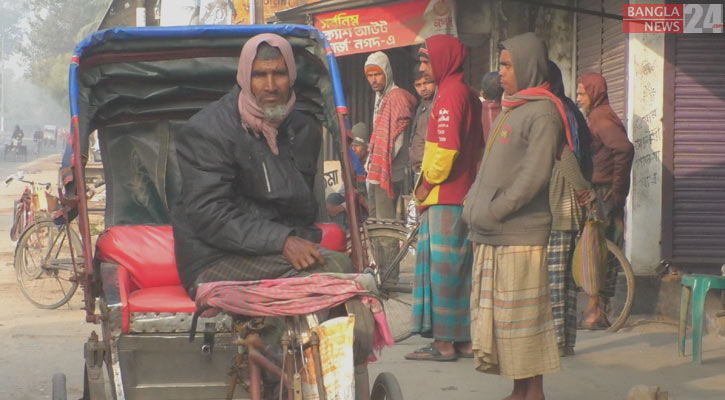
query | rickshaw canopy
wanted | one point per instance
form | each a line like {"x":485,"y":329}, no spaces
{"x":138,"y":86}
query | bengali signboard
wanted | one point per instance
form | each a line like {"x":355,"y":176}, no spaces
{"x":377,"y":28}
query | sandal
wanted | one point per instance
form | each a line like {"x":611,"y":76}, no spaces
{"x":430,"y":353}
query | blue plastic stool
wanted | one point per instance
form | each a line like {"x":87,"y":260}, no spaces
{"x":700,"y":285}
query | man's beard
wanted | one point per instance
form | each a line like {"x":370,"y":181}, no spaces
{"x":275,"y":113}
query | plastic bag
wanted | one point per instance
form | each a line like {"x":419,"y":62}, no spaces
{"x":589,"y":263}
{"x":336,"y":354}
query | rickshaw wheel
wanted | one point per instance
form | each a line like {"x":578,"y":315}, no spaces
{"x":59,"y":389}
{"x":386,"y":387}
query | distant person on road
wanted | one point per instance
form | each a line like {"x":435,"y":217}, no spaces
{"x":612,"y":154}
{"x":453,"y":146}
{"x":388,"y":165}
{"x":17,"y":138}
{"x":508,"y":213}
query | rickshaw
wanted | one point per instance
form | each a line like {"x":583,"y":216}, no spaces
{"x":137,"y":87}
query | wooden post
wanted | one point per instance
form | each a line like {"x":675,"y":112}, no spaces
{"x":258,"y":14}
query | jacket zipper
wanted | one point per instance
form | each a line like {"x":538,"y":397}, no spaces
{"x":266,"y":177}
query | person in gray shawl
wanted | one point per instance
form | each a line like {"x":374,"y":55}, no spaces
{"x":508,"y":214}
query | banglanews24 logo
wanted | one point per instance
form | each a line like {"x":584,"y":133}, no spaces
{"x":673,"y":18}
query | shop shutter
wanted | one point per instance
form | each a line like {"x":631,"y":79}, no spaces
{"x":698,"y":215}
{"x":613,"y":58}
{"x":589,"y":39}
{"x":601,"y":48}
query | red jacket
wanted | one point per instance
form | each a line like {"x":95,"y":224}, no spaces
{"x":454,"y":141}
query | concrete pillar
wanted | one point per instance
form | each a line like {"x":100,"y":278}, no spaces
{"x":645,"y":72}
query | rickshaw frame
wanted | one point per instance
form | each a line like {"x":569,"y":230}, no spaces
{"x":90,"y":278}
{"x":78,"y":163}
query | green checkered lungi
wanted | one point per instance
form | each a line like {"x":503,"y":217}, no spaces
{"x":441,"y":296}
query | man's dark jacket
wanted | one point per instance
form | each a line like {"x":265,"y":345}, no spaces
{"x":237,"y":196}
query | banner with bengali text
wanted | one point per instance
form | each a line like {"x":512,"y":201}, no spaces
{"x":378,"y":28}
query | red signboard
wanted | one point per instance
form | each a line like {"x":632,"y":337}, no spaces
{"x":378,"y":28}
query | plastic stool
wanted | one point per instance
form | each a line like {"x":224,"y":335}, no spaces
{"x":700,"y":285}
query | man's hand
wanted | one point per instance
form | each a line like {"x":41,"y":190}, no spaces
{"x":585,"y":197}
{"x":421,"y":193}
{"x":363,"y":202}
{"x":302,"y":253}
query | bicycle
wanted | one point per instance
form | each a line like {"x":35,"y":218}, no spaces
{"x":35,"y":202}
{"x":46,"y":265}
{"x":397,"y":291}
{"x":391,"y":248}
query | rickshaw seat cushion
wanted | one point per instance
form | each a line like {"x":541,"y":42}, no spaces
{"x":171,"y":299}
{"x":145,"y":251}
{"x":333,"y":237}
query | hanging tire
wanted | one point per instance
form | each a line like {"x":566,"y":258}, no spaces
{"x":386,"y":387}
{"x":618,"y":309}
{"x":59,"y":390}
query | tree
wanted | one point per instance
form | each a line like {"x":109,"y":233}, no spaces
{"x":10,"y":16}
{"x":55,"y":29}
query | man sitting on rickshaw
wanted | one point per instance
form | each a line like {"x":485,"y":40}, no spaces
{"x":248,"y":162}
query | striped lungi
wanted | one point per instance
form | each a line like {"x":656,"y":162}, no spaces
{"x":562,"y":286}
{"x":442,"y":289}
{"x":511,"y":326}
{"x":239,"y":267}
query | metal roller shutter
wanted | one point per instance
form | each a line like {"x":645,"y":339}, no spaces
{"x":601,"y":46}
{"x":698,"y":217}
{"x":613,"y":58}
{"x":589,"y":39}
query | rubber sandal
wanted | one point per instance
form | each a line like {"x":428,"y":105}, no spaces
{"x":430,"y":353}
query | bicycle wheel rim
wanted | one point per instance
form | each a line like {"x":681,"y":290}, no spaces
{"x":386,"y":241}
{"x":618,"y":306}
{"x":43,"y":265}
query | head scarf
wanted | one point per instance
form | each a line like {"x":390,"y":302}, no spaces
{"x":530,"y":59}
{"x":251,"y":113}
{"x":446,"y":54}
{"x":380,"y":60}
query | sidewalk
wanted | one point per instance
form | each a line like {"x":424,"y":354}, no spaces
{"x":606,"y":366}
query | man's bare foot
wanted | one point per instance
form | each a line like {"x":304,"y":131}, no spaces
{"x":464,"y":349}
{"x":446,"y":348}
{"x":520,"y":388}
{"x":535,"y":388}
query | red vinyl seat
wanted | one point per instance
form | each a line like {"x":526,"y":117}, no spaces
{"x":148,"y":278}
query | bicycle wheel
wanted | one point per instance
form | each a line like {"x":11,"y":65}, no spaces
{"x":386,"y":387}
{"x":617,"y":307}
{"x":386,"y":240}
{"x":43,"y":264}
